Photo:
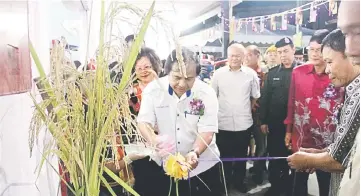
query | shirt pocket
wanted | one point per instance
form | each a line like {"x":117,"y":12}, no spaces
{"x":192,"y":120}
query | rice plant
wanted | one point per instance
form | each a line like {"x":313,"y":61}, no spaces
{"x":85,"y":111}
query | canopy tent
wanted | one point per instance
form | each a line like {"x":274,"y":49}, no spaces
{"x":211,"y":39}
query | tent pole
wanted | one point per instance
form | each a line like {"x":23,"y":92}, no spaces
{"x":225,"y":25}
{"x":298,"y":25}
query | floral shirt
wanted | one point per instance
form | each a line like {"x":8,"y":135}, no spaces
{"x":310,"y":108}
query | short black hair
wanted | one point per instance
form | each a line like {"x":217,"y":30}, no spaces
{"x":319,"y":35}
{"x":299,"y":52}
{"x":163,"y":63}
{"x":115,"y":75}
{"x":188,"y":56}
{"x":77,"y":64}
{"x":153,"y":58}
{"x":112,"y":65}
{"x":129,"y":38}
{"x":335,"y":40}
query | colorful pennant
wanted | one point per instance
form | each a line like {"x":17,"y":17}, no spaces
{"x":299,"y":16}
{"x":254,"y":26}
{"x":284,"y":22}
{"x":297,"y":39}
{"x":261,"y":25}
{"x":332,"y":7}
{"x":273,"y":23}
{"x":313,"y":13}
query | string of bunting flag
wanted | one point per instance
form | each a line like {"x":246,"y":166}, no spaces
{"x":312,"y":6}
{"x":259,"y":23}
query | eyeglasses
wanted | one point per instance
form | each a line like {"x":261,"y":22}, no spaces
{"x":143,"y":68}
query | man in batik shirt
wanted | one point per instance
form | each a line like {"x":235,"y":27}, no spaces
{"x":252,"y":61}
{"x":336,"y":157}
{"x":309,"y":119}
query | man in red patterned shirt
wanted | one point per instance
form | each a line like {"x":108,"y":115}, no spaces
{"x":309,"y":122}
{"x":252,"y":61}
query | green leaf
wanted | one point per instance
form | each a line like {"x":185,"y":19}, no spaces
{"x":36,"y":59}
{"x":106,"y":184}
{"x":80,"y":191}
{"x":120,"y":181}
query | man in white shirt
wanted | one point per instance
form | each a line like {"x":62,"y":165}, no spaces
{"x":174,"y":103}
{"x":235,"y":85}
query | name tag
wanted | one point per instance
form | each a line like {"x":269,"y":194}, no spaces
{"x":163,"y":106}
{"x":276,"y":78}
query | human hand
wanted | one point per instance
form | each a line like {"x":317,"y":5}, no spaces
{"x":192,"y":159}
{"x":164,"y":145}
{"x":311,"y":171}
{"x":288,"y":140}
{"x":299,"y":161}
{"x":264,"y":129}
{"x":254,"y":106}
{"x":154,"y":74}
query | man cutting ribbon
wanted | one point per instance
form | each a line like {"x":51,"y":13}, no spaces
{"x":185,"y":110}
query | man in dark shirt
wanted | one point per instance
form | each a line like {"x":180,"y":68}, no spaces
{"x":274,"y":111}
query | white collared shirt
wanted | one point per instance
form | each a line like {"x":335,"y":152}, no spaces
{"x":234,"y":90}
{"x":171,"y":114}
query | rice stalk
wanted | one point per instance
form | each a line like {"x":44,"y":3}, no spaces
{"x":79,"y":137}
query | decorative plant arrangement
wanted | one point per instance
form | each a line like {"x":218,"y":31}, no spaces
{"x":177,"y":168}
{"x":85,"y":111}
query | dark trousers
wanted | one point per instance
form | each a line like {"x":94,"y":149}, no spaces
{"x":146,"y":172}
{"x":157,"y":183}
{"x":278,"y":169}
{"x":261,"y":151}
{"x":301,"y":187}
{"x":234,"y":144}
